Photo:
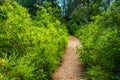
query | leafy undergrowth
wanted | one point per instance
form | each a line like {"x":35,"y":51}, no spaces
{"x":100,"y":54}
{"x":29,"y":49}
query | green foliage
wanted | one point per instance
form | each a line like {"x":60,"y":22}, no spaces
{"x":80,"y":15}
{"x":1,"y":2}
{"x":29,"y":4}
{"x":29,"y":49}
{"x":83,"y":14}
{"x":100,"y":54}
{"x":51,"y":6}
{"x":72,"y":27}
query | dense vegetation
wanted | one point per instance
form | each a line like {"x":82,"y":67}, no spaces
{"x":30,"y":49}
{"x":100,"y":38}
{"x":33,"y":37}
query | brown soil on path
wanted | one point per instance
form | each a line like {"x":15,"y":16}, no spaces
{"x":70,"y":68}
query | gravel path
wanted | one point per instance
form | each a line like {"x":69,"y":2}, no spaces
{"x":70,"y":68}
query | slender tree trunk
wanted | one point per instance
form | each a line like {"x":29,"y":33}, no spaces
{"x":64,"y":7}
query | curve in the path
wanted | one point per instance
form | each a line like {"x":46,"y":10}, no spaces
{"x":70,"y":68}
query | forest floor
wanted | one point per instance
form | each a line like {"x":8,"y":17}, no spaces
{"x":70,"y":68}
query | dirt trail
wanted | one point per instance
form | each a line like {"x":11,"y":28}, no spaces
{"x":70,"y":68}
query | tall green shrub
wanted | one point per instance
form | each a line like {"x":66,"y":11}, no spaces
{"x":29,"y":49}
{"x":100,"y":54}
